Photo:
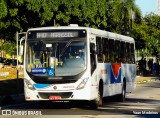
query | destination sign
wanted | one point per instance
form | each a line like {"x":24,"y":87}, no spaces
{"x":49,"y":34}
{"x":56,"y":34}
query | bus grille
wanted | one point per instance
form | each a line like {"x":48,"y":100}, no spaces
{"x":62,"y":94}
{"x":41,"y":81}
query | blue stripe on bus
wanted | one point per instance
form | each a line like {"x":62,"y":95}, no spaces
{"x":114,"y":79}
{"x":41,"y":85}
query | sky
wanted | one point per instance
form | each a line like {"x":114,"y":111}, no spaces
{"x":147,"y":6}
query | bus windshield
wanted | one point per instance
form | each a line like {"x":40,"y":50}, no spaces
{"x":56,"y":57}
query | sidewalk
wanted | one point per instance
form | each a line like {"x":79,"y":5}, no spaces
{"x":144,"y":79}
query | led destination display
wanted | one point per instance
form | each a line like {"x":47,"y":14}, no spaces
{"x":50,"y":34}
{"x":56,"y":34}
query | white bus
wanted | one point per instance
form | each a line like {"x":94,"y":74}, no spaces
{"x":70,"y":63}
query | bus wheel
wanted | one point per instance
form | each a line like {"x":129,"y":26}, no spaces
{"x":122,"y":96}
{"x":98,"y":101}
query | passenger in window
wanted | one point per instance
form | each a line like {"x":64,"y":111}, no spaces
{"x":112,"y":56}
{"x":103,"y":57}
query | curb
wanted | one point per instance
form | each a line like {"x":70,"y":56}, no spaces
{"x":145,"y":81}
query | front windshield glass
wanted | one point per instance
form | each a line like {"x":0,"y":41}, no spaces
{"x":55,"y":57}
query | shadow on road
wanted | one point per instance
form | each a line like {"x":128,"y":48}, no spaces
{"x":110,"y":107}
{"x":156,"y":84}
{"x":110,"y":104}
{"x":9,"y":88}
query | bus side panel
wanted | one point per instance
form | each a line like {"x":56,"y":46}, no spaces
{"x":111,"y":76}
{"x":129,"y":73}
{"x":114,"y":84}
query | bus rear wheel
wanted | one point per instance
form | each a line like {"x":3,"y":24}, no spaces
{"x":98,"y":101}
{"x":122,"y":96}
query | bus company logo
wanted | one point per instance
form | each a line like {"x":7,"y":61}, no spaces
{"x":44,"y":70}
{"x":39,"y":71}
{"x":54,"y":87}
{"x":115,"y":73}
{"x":6,"y":112}
{"x":115,"y":69}
{"x":103,"y":71}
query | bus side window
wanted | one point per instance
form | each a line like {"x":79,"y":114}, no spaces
{"x":117,"y":51}
{"x":123,"y":52}
{"x":128,"y":52}
{"x":105,"y":49}
{"x":99,"y":49}
{"x":132,"y":54}
{"x":92,"y":57}
{"x":111,"y":50}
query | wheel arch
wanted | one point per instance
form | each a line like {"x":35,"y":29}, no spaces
{"x":124,"y":83}
{"x":101,"y":87}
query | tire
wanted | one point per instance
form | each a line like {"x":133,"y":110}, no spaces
{"x":122,"y":96}
{"x":98,"y":101}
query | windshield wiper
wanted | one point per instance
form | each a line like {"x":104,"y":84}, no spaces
{"x":65,"y":48}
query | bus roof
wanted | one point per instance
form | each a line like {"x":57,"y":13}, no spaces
{"x":97,"y":32}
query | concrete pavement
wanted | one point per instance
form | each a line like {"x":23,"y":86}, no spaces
{"x":144,"y":79}
{"x":10,"y":93}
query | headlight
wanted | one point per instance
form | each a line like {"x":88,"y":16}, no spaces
{"x":28,"y":84}
{"x":82,"y":84}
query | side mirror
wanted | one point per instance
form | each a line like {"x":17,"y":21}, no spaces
{"x":21,"y":46}
{"x":20,"y":50}
{"x":94,"y":49}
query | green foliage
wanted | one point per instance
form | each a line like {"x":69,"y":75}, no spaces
{"x":111,"y":15}
{"x":3,"y":9}
{"x":153,"y":33}
{"x":123,"y":14}
{"x":10,"y":48}
{"x":139,"y":34}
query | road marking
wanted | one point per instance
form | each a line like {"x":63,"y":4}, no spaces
{"x":131,"y":94}
{"x":126,"y":107}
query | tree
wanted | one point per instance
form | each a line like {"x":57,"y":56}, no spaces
{"x":3,"y":9}
{"x":24,"y":14}
{"x":123,"y":14}
{"x":10,"y":48}
{"x":139,"y":34}
{"x":153,"y":33}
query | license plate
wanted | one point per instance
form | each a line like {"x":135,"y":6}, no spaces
{"x":55,"y":98}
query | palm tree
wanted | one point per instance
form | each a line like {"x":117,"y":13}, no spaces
{"x":123,"y":14}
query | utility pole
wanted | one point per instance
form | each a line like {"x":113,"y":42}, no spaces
{"x":17,"y":39}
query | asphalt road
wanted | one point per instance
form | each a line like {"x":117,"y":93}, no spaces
{"x":144,"y":101}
